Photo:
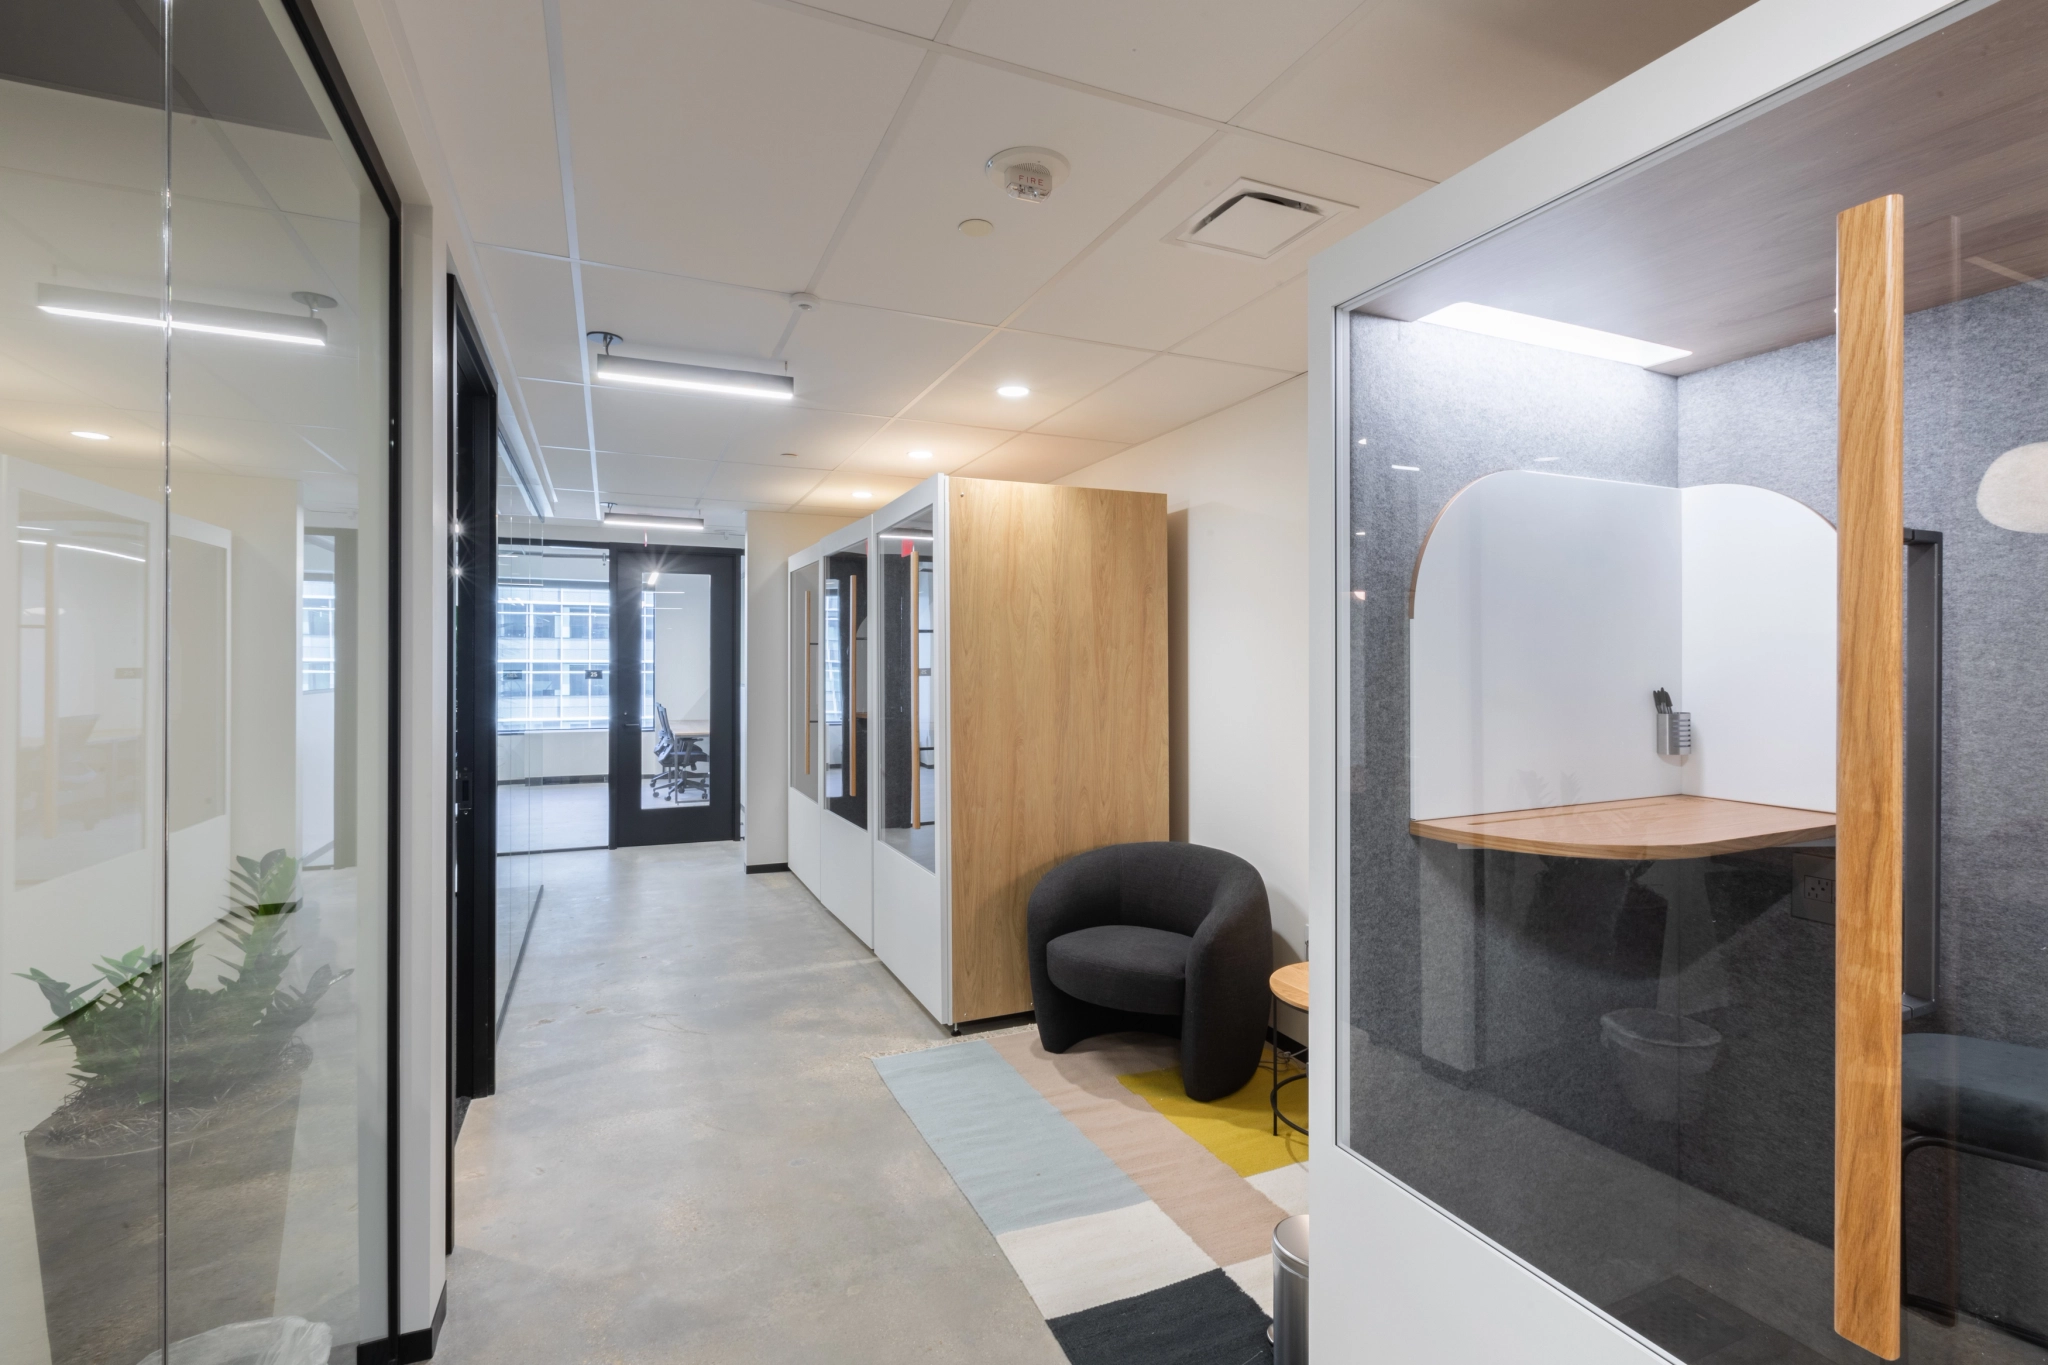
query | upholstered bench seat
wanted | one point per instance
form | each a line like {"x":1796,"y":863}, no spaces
{"x":1978,"y":1092}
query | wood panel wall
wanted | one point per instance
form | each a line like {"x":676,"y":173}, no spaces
{"x":1057,"y":704}
{"x":1870,"y":773}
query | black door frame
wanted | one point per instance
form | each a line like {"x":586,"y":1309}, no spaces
{"x":631,"y":826}
{"x":472,"y":712}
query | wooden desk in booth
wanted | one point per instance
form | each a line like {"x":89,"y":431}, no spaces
{"x":1650,"y":828}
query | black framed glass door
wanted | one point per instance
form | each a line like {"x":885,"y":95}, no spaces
{"x":675,"y":695}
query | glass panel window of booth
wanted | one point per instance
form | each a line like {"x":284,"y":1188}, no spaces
{"x":908,"y":754}
{"x":1592,"y":678}
{"x":845,"y":672}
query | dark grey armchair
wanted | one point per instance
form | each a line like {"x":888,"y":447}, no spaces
{"x":1158,"y":938}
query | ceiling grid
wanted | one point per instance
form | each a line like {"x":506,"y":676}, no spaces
{"x":746,"y":150}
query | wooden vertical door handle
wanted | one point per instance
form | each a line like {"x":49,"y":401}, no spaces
{"x":1870,"y":771}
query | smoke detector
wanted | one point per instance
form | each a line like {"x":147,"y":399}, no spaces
{"x":1256,"y":220}
{"x":1027,"y":174}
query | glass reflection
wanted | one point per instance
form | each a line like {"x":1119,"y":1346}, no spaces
{"x":675,"y":690}
{"x":844,"y":647}
{"x":554,"y":662}
{"x":909,"y":757}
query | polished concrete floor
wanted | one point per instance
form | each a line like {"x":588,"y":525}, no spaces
{"x":690,"y":1158}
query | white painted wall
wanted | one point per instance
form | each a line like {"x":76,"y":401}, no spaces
{"x":1236,"y":486}
{"x":772,"y":537}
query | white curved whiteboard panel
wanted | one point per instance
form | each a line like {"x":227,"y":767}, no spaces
{"x":1545,"y":613}
{"x":1546,"y":610}
{"x":1759,"y":623}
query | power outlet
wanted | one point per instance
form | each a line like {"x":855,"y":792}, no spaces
{"x":1813,"y":898}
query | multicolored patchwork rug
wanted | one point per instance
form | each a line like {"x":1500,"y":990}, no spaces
{"x":1140,"y":1221}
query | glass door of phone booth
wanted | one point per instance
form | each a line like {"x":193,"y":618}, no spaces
{"x":1696,"y":890}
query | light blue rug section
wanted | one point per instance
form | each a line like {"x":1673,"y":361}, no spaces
{"x":1019,"y":1161}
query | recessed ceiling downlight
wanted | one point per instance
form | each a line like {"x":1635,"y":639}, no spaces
{"x":920,"y":454}
{"x":976,"y":227}
{"x":1558,"y":336}
{"x":91,"y":435}
{"x":1014,"y":391}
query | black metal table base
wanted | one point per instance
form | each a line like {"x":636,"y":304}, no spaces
{"x":1280,"y":1083}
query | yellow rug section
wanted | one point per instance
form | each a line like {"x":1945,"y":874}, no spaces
{"x":1238,"y":1129}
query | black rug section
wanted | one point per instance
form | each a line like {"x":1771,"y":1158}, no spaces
{"x":1206,"y":1320}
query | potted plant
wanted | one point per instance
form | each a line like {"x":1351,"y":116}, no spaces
{"x":184,"y":1103}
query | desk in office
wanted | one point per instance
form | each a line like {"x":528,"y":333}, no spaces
{"x":1647,"y":827}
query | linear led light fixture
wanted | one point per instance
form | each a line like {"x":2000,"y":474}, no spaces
{"x":653,"y":521}
{"x":1558,"y":336}
{"x":664,"y":374}
{"x":100,"y":306}
{"x":87,"y":549}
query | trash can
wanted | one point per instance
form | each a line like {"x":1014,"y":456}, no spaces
{"x":1290,"y":1291}
{"x":266,"y":1341}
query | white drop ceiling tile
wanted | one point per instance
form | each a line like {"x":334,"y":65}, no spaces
{"x":921,"y":17}
{"x":534,"y":300}
{"x":1430,"y":86}
{"x":683,"y":314}
{"x":1140,"y":289}
{"x":800,"y":437}
{"x":951,"y":446}
{"x":624,"y":477}
{"x":871,"y":360}
{"x":484,"y":71}
{"x":677,"y":424}
{"x":557,"y":413}
{"x":723,"y":138}
{"x":1166,"y":392}
{"x":1271,"y":330}
{"x":854,"y":494}
{"x":1059,"y":371}
{"x":1210,"y":57}
{"x":568,"y":471}
{"x":762,"y":484}
{"x":1034,"y":457}
{"x":903,"y":248}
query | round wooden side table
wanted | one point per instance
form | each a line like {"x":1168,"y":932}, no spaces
{"x":1289,"y":986}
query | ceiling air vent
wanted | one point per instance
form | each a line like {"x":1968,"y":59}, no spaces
{"x":1250,"y":219}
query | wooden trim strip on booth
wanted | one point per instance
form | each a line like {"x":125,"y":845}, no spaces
{"x":1870,"y":771}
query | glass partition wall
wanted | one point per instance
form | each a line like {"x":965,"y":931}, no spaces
{"x":1593,"y":667}
{"x":554,"y":658}
{"x":194,"y":451}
